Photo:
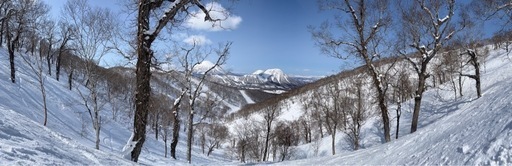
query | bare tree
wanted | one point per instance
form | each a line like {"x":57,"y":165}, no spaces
{"x":285,"y":137}
{"x":65,"y":34}
{"x":20,"y":14}
{"x":176,"y":123}
{"x":329,"y":107}
{"x":94,"y":27}
{"x":216,"y":134}
{"x":270,"y":114}
{"x":37,"y":68}
{"x":6,"y":12}
{"x":357,"y":113}
{"x":402,"y":90}
{"x":146,"y":35}
{"x":363,"y":39}
{"x":489,"y":9}
{"x":191,"y":58}
{"x":49,"y":28}
{"x":426,"y":25}
{"x":468,"y":40}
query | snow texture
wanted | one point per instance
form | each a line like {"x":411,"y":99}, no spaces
{"x":462,"y":131}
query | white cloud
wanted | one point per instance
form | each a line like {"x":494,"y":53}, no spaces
{"x":198,"y":40}
{"x":227,"y":20}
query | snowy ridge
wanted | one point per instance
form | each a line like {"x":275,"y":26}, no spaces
{"x":274,"y":80}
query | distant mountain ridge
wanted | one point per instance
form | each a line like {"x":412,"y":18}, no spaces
{"x":273,"y":80}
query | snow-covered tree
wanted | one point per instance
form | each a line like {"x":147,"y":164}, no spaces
{"x":363,"y":24}
{"x":426,"y":26}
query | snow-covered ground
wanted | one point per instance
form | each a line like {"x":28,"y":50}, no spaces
{"x":463,"y":131}
{"x":68,"y":138}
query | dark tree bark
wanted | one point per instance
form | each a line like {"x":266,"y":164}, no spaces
{"x":70,"y":79}
{"x":66,"y":34}
{"x":425,"y":30}
{"x":145,"y":37}
{"x":476,"y":64}
{"x":12,"y":44}
{"x":269,"y":115}
{"x":143,"y":76}
{"x":175,"y":132}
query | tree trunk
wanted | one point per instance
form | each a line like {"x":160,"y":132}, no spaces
{"x":48,"y":59}
{"x":476,"y":64}
{"x":398,"y":114}
{"x":381,"y":95}
{"x":11,"y":46}
{"x":417,"y":99}
{"x":333,"y":141}
{"x":70,"y":78}
{"x":478,"y":83}
{"x":267,"y":138}
{"x":43,"y":92}
{"x":143,"y":76}
{"x":460,"y":86}
{"x":210,"y":150}
{"x":243,"y":153}
{"x":57,"y":65}
{"x":165,"y":145}
{"x":203,"y":142}
{"x":190,"y":130}
{"x":156,"y":126}
{"x":175,"y":134}
{"x":97,"y":126}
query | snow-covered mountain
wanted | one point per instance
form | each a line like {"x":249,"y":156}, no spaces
{"x":204,"y":66}
{"x":270,"y":80}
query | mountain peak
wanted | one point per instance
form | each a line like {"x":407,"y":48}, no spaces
{"x":204,"y":66}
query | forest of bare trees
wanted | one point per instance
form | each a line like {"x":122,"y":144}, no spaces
{"x":403,"y":48}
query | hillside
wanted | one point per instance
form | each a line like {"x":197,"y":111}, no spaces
{"x":68,"y":138}
{"x":465,"y":131}
{"x":453,"y":131}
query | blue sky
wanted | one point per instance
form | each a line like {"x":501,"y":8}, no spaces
{"x":272,"y":34}
{"x":266,"y":34}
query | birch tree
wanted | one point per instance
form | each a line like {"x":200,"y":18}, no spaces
{"x":426,"y":26}
{"x":93,"y":27}
{"x":194,"y":89}
{"x":363,"y":24}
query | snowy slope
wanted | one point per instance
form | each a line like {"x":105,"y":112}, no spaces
{"x":464,"y":131}
{"x":68,"y":138}
{"x":25,"y":142}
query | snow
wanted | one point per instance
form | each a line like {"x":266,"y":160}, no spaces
{"x":246,"y":97}
{"x":442,"y":20}
{"x":465,"y":131}
{"x":461,"y":131}
{"x":204,"y":66}
{"x":68,"y":138}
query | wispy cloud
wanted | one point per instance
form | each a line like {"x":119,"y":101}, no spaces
{"x":197,"y":39}
{"x":228,"y":21}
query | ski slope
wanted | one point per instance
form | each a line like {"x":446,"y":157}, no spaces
{"x":464,"y":131}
